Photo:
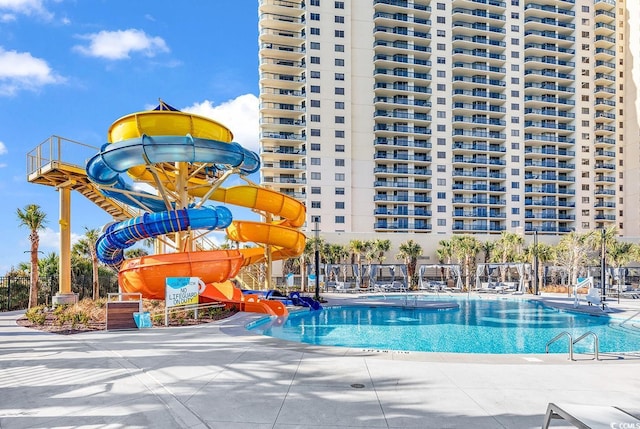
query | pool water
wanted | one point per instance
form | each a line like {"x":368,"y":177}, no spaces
{"x":496,"y":326}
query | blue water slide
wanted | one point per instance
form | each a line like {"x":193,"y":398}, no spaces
{"x":105,"y":168}
{"x":118,"y":236}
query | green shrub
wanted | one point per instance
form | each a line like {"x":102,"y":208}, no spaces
{"x":36,"y":315}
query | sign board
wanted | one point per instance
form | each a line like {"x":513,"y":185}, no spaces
{"x":181,"y":291}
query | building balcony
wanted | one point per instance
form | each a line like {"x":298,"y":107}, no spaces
{"x":381,"y":184}
{"x":461,"y":147}
{"x":401,"y":6}
{"x":402,"y":198}
{"x":471,"y":42}
{"x":383,"y":225}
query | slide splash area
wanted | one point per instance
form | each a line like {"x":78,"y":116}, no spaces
{"x":172,"y":165}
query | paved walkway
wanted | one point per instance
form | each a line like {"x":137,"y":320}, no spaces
{"x":221,"y":376}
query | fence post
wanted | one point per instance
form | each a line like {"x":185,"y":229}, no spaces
{"x":9,"y":294}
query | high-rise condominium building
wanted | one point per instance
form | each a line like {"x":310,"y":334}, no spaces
{"x":451,"y":116}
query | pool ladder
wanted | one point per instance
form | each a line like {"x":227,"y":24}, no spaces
{"x":572,"y":342}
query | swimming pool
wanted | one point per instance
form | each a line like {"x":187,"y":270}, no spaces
{"x":496,"y":326}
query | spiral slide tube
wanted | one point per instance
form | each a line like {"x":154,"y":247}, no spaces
{"x":119,"y":236}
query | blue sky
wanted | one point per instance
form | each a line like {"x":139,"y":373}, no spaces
{"x":72,"y":67}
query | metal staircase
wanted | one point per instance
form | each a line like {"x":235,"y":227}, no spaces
{"x":59,"y":162}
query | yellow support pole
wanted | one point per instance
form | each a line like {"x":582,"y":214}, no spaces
{"x":64,"y":295}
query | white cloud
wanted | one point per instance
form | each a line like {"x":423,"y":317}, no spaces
{"x":120,"y":44}
{"x":22,"y":71}
{"x":50,"y":239}
{"x":24,"y":7}
{"x":240,"y":115}
{"x":3,"y":149}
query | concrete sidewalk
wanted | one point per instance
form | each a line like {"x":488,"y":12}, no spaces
{"x":221,"y":376}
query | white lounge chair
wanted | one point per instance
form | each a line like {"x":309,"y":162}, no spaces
{"x":589,"y":416}
{"x":593,"y":297}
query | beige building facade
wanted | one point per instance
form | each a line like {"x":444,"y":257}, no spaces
{"x":422,"y":119}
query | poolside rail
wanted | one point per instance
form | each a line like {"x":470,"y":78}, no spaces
{"x":572,"y":342}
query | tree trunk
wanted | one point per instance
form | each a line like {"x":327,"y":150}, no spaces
{"x":95,"y":278}
{"x":33,"y":288}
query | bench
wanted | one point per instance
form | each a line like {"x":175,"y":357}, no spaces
{"x":589,"y":416}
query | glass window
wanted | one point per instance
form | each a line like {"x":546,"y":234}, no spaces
{"x":315,"y":17}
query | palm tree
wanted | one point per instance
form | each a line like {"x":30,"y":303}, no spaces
{"x":35,"y":219}
{"x":380,"y":248}
{"x":465,"y":248}
{"x":545,"y":253}
{"x":136,"y":252}
{"x":572,"y":253}
{"x":486,"y":247}
{"x":86,"y":246}
{"x":410,"y":251}
{"x":358,"y":249}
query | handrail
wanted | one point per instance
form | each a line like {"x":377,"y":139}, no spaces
{"x":557,"y":337}
{"x":633,"y":316}
{"x":596,"y":342}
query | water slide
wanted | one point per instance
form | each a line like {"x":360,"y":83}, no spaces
{"x":184,"y":156}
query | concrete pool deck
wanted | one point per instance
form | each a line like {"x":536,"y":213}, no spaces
{"x":221,"y":375}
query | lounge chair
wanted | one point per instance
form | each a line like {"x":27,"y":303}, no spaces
{"x":589,"y":416}
{"x":593,"y":297}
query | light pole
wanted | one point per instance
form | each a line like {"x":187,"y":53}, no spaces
{"x":317,"y":259}
{"x":603,"y":266}
{"x":535,"y":261}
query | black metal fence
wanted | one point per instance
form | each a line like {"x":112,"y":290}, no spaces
{"x":14,"y":290}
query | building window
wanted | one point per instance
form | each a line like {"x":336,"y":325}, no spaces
{"x":441,"y":141}
{"x":515,"y":197}
{"x":515,"y":210}
{"x":315,"y":60}
{"x":339,"y":19}
{"x":315,"y":161}
{"x":441,"y":100}
{"x":315,"y":132}
{"x":315,"y":146}
{"x":316,"y":205}
{"x":314,"y":74}
{"x":315,"y":2}
{"x":339,"y":148}
{"x":315,"y":219}
{"x":315,"y":88}
{"x":339,"y":119}
{"x":441,"y":114}
{"x":338,"y":76}
{"x":315,"y":190}
{"x":441,"y":46}
{"x":339,"y":219}
{"x":339,"y":177}
{"x":339,"y":62}
{"x":441,"y":60}
{"x":339,"y":191}
{"x":315,"y":118}
{"x":441,"y":33}
{"x":339,"y":205}
{"x":315,"y":175}
{"x":339,"y":105}
{"x":441,"y":73}
{"x":339,"y":162}
{"x":441,"y":182}
{"x":442,"y":222}
{"x":339,"y":48}
{"x":440,"y":20}
{"x":339,"y":134}
{"x":339,"y":5}
{"x":314,"y":103}
{"x":339,"y":91}
{"x":314,"y":45}
{"x":441,"y":168}
{"x":442,"y":155}
{"x":315,"y":31}
{"x":338,"y":33}
{"x":515,"y":185}
{"x":315,"y":17}
{"x":442,"y":195}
